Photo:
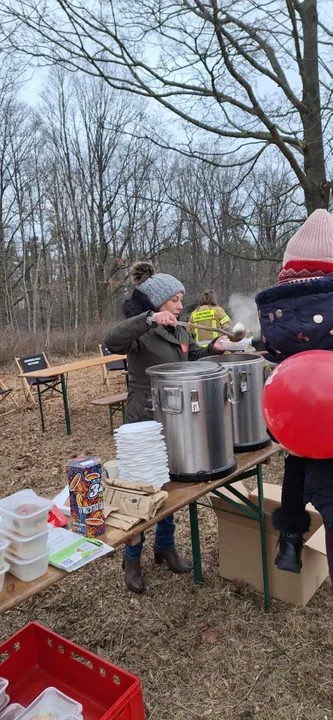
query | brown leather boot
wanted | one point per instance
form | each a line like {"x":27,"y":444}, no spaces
{"x":133,"y":577}
{"x":175,"y":563}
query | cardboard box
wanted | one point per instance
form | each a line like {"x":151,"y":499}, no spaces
{"x":240,"y":552}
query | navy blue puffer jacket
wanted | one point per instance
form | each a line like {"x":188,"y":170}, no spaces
{"x":297,"y":316}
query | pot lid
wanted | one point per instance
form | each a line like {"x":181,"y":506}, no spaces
{"x":233,"y":358}
{"x":186,"y":369}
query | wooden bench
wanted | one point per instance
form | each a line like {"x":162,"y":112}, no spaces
{"x":114,"y":403}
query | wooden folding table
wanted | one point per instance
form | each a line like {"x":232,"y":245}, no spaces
{"x":62,"y":371}
{"x":180,"y":495}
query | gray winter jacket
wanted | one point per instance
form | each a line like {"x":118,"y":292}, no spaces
{"x":146,"y":346}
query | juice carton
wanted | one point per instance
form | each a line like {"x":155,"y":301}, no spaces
{"x":86,"y":495}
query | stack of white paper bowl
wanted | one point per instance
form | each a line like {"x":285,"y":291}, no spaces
{"x":24,"y":529}
{"x":142,"y":454}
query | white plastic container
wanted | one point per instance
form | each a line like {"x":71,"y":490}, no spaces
{"x":24,"y":547}
{"x":240,"y":345}
{"x":3,"y":547}
{"x":54,"y":702}
{"x":11,"y":712}
{"x":3,"y":571}
{"x":4,"y":698}
{"x":28,"y":570}
{"x":25,"y":512}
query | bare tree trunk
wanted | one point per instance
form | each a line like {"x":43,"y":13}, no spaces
{"x":316,"y":186}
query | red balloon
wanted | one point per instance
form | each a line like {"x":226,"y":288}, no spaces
{"x":298,"y":404}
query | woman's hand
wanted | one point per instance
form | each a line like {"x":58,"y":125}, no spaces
{"x":218,"y":344}
{"x":164,"y":318}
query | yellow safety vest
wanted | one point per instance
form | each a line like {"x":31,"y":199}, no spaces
{"x":212,"y":317}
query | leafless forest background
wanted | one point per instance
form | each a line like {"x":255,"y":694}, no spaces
{"x":205,"y":158}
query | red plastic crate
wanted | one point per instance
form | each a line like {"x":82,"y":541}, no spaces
{"x":36,"y":658}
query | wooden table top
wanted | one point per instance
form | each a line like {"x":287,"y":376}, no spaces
{"x":69,"y":367}
{"x":77,"y":365}
{"x":180,"y":495}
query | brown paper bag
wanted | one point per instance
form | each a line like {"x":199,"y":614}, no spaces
{"x":127,"y":485}
{"x":122,"y":522}
{"x":134,"y":504}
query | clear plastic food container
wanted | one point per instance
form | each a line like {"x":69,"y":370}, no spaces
{"x":25,"y":512}
{"x":24,"y":547}
{"x":234,"y":346}
{"x":3,"y":571}
{"x":12,"y":711}
{"x":54,"y":704}
{"x":4,"y":698}
{"x":3,"y":547}
{"x":28,"y":570}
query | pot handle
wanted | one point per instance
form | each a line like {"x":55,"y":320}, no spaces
{"x":154,"y":398}
{"x":230,"y":390}
{"x":266,"y":371}
{"x":172,"y":400}
{"x":243,"y":380}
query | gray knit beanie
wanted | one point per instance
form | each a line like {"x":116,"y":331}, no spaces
{"x":161,"y":287}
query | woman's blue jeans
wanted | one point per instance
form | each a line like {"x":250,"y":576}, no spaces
{"x":164,"y":539}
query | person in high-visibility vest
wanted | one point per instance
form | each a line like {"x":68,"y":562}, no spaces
{"x":210,"y":314}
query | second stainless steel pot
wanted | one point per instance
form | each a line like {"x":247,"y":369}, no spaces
{"x":247,"y":375}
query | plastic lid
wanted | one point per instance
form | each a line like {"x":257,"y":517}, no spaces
{"x":12,"y":711}
{"x":5,"y":701}
{"x":3,"y":570}
{"x":11,"y":535}
{"x":184,"y":370}
{"x":3,"y":683}
{"x":84,"y":461}
{"x":24,"y":503}
{"x":53,"y":702}
{"x":15,"y":560}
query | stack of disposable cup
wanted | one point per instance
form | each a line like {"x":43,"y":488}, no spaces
{"x":24,"y":529}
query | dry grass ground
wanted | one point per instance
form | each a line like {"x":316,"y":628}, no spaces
{"x":200,"y":651}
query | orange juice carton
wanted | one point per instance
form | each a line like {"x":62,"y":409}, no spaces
{"x":86,"y":495}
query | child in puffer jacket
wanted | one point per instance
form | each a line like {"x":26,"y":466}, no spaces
{"x":297,"y":315}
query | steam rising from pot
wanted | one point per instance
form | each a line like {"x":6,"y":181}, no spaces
{"x":243,"y":309}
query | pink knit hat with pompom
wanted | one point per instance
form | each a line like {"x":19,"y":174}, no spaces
{"x":309,"y":253}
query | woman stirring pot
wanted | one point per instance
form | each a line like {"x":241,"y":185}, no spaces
{"x":150,"y":336}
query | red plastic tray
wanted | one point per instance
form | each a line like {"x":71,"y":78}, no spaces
{"x":36,"y":658}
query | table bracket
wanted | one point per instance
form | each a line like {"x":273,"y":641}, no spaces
{"x":251,"y":510}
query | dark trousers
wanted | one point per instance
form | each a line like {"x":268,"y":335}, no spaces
{"x":292,"y":498}
{"x":306,"y":480}
{"x":164,"y":539}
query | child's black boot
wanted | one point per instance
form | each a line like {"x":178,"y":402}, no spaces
{"x":290,"y":542}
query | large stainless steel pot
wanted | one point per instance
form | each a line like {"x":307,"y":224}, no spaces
{"x":247,"y":374}
{"x":192,"y":401}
